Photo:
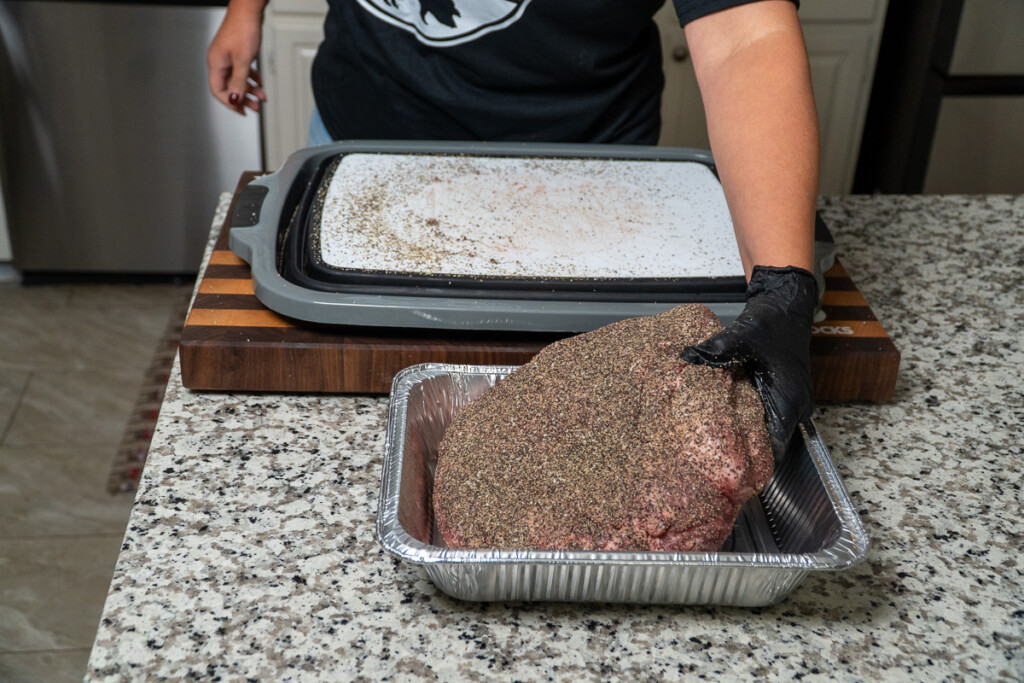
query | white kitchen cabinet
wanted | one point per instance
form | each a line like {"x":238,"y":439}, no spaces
{"x":842,"y":60}
{"x":682,"y":111}
{"x":842,"y":43}
{"x":293,"y":29}
{"x":842,"y":46}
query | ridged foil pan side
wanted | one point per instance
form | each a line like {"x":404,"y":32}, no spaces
{"x":663,"y":584}
{"x":803,"y":521}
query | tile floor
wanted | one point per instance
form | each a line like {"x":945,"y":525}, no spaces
{"x":72,"y":360}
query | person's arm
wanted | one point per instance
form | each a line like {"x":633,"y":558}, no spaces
{"x":229,"y":59}
{"x":751,"y":65}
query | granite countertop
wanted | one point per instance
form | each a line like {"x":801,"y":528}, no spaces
{"x":250,"y":553}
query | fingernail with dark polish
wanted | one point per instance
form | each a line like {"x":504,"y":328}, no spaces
{"x":234,"y":98}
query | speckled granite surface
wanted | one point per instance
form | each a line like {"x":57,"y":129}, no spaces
{"x":250,"y":552}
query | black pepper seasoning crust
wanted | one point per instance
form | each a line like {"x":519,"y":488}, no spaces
{"x":606,"y":441}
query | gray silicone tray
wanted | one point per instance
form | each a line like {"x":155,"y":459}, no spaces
{"x":260,"y":213}
{"x":803,"y":521}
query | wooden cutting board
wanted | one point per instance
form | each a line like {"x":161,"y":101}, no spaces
{"x":232,"y":342}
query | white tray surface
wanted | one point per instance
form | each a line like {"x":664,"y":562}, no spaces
{"x":524,"y":217}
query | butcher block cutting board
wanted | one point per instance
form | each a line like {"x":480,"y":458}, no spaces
{"x":232,"y":342}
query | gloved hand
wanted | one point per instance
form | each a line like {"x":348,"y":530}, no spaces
{"x":771,"y":339}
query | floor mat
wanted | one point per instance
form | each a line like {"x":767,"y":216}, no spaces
{"x":131,"y":454}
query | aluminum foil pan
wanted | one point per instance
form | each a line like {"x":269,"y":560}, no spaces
{"x":803,"y":521}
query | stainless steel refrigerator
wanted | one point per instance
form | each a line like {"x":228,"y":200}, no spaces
{"x":112,"y":151}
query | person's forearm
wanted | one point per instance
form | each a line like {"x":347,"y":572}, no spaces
{"x":752,"y":68}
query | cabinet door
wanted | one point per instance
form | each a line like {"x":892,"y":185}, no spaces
{"x":289,"y":46}
{"x":682,"y":112}
{"x":842,"y":58}
{"x":311,"y":8}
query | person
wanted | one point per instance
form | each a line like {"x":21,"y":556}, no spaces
{"x":589,"y":71}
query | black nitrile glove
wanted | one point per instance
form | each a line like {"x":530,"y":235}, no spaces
{"x":771,"y":339}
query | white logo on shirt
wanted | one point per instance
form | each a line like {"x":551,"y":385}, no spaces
{"x":447,"y":22}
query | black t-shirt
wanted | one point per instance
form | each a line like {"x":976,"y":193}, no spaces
{"x":528,"y":70}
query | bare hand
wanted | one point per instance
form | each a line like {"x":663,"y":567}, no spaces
{"x":233,"y":79}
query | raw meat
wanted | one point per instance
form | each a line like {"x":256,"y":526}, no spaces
{"x":606,"y":441}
